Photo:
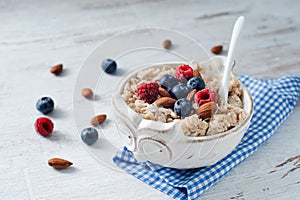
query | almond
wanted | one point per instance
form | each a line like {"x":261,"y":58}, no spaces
{"x":97,"y":120}
{"x":57,"y":69}
{"x":217,"y":49}
{"x":87,"y":92}
{"x":163,"y":92}
{"x":207,"y":110}
{"x":191,"y":95}
{"x":166,"y":102}
{"x":167,"y":44}
{"x":59,"y":163}
{"x":197,"y":74}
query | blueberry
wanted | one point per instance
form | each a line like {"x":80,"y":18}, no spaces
{"x":168,"y":82}
{"x":109,"y":66}
{"x":196,"y":83}
{"x":180,"y":91}
{"x":45,"y":105}
{"x":183,"y":108}
{"x":89,"y":135}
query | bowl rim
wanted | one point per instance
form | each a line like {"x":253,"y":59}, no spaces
{"x":192,"y":139}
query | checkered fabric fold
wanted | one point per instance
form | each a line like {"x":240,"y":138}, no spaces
{"x":274,"y":101}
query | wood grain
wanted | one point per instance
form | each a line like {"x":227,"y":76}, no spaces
{"x":36,"y":35}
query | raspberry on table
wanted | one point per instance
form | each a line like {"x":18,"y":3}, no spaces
{"x":205,"y":96}
{"x":184,"y":72}
{"x":148,"y":91}
{"x":44,"y":126}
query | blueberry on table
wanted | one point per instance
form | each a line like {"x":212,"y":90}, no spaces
{"x":183,"y":108}
{"x":180,"y":91}
{"x":89,"y":135}
{"x":109,"y":66}
{"x":45,"y":105}
{"x":196,"y":83}
{"x":168,"y":82}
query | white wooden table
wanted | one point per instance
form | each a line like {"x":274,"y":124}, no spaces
{"x":34,"y":35}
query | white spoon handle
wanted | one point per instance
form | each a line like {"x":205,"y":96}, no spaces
{"x":223,"y":91}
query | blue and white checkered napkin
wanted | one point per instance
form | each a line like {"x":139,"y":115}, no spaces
{"x":274,"y":101}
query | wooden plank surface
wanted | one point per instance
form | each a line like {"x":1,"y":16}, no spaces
{"x":35,"y":35}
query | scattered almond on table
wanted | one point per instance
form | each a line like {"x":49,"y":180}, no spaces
{"x":87,"y":92}
{"x":57,"y":69}
{"x":217,"y":49}
{"x":59,"y":163}
{"x":98,"y":119}
{"x":167,"y":44}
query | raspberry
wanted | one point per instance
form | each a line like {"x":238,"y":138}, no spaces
{"x":205,"y":96}
{"x":184,"y":72}
{"x":148,"y":91}
{"x":44,"y":126}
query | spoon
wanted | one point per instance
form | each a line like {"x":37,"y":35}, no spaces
{"x":223,"y":91}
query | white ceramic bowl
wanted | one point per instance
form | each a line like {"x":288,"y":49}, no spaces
{"x":165,"y":143}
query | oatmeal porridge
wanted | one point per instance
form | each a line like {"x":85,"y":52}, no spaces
{"x":187,"y":94}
